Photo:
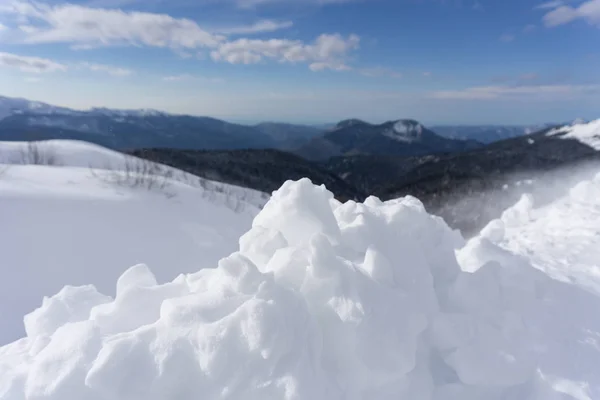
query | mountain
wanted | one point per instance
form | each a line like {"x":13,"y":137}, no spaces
{"x":125,"y":129}
{"x":469,"y":189}
{"x":289,"y":136}
{"x":264,"y":170}
{"x":9,"y":106}
{"x":487,"y":133}
{"x":397,"y":138}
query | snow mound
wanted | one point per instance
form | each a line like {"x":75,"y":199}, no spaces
{"x":587,"y":133}
{"x":322,"y":301}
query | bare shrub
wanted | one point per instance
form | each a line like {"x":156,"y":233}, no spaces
{"x":38,"y":153}
{"x":138,"y":174}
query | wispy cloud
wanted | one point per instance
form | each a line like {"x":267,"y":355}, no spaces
{"x":30,"y":64}
{"x":177,"y":78}
{"x":507,"y":37}
{"x":550,"y":4}
{"x":529,"y":28}
{"x":263,"y":26}
{"x":32,"y":79}
{"x":379,"y":72}
{"x":500,"y":92}
{"x":189,"y":77}
{"x":564,"y":14}
{"x":256,"y":3}
{"x":109,"y":69}
{"x":477,"y":6}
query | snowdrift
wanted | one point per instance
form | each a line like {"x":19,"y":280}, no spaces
{"x":322,"y":301}
{"x":65,"y":224}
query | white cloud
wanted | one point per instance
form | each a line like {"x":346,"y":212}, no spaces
{"x":500,"y":92}
{"x":378,"y":72}
{"x":87,"y":27}
{"x":529,"y":28}
{"x":507,"y":38}
{"x":258,"y":27}
{"x":177,"y":78}
{"x":334,"y":65}
{"x":588,"y":11}
{"x":30,"y":64}
{"x":2,"y":27}
{"x":326,"y":52}
{"x":84,"y":28}
{"x":109,"y":69}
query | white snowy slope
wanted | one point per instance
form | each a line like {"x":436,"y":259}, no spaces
{"x":587,"y":133}
{"x":561,"y":239}
{"x":71,"y":225}
{"x":322,"y":301}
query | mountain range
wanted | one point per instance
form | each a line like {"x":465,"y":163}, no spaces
{"x":488,"y":133}
{"x":22,"y":119}
{"x":466,"y":181}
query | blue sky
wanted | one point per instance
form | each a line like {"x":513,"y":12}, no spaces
{"x":438,"y":61}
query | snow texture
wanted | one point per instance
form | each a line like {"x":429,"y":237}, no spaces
{"x":587,"y":133}
{"x":405,"y":131}
{"x":325,"y":301}
{"x":67,"y":225}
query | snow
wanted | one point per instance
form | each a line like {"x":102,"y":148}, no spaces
{"x":587,"y":133}
{"x":68,"y":225}
{"x":405,"y":131}
{"x":10,"y":106}
{"x":73,"y":153}
{"x":322,"y":300}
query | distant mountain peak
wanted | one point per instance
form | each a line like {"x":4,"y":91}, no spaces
{"x":579,"y":121}
{"x":350,"y":122}
{"x":405,"y":130}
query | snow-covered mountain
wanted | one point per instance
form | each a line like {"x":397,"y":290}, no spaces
{"x":125,"y":129}
{"x":84,"y":214}
{"x":10,"y":106}
{"x":322,"y":300}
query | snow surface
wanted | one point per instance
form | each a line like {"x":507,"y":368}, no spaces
{"x":68,"y":225}
{"x":587,"y":133}
{"x":327,"y":301}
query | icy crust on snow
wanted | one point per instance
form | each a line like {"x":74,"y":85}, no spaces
{"x":587,"y":133}
{"x":323,"y":301}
